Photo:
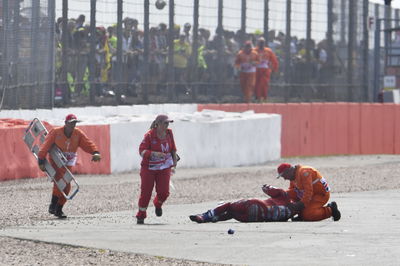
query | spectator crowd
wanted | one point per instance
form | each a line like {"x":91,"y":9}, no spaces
{"x":217,"y":64}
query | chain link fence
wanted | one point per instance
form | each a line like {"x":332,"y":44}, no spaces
{"x":27,"y":54}
{"x":76,"y":52}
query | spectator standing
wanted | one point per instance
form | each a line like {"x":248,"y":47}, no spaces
{"x":158,"y":152}
{"x":135,"y":24}
{"x":154,"y":60}
{"x":136,"y":55}
{"x":246,"y":61}
{"x":186,"y":31}
{"x":112,"y":39}
{"x":182,"y":52}
{"x":201,"y":62}
{"x":322,"y":66}
{"x":268,"y":63}
{"x":204,"y":36}
{"x":103,"y":55}
{"x":128,"y":24}
{"x":82,"y":49}
{"x":162,"y":50}
{"x":127,"y":51}
{"x":80,"y":21}
{"x":231,"y":49}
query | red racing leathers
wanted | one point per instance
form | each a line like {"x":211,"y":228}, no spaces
{"x":251,"y":210}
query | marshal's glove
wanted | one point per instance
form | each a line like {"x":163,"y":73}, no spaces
{"x":273,"y":192}
{"x":96,"y":157}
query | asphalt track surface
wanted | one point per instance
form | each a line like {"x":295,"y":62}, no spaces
{"x":367,"y":234}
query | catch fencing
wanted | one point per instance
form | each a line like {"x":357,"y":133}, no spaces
{"x":108,"y":52}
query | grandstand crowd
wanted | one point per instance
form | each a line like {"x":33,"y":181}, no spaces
{"x":212,"y":66}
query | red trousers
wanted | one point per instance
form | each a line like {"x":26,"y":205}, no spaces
{"x":247,"y":83}
{"x":56,"y":192}
{"x":149,"y":178}
{"x":263,"y":75}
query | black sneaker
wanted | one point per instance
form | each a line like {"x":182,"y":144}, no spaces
{"x":159,"y":212}
{"x":139,"y":220}
{"x":52,"y":209}
{"x":206,"y":217}
{"x":59,"y":213}
{"x":197,"y":218}
{"x":53,"y":205}
{"x":335,"y":212}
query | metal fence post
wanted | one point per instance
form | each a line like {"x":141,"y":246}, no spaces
{"x":5,"y":57}
{"x":15,"y":55}
{"x":350,"y":50}
{"x":243,"y":16}
{"x":195,"y":43}
{"x":330,"y":49}
{"x":266,"y":21}
{"x":386,"y":34}
{"x":329,"y":34}
{"x":92,"y":53}
{"x":37,"y":98}
{"x":146,"y":45}
{"x":377,"y":60}
{"x":287,"y":43}
{"x":220,"y":47}
{"x":365,"y":61}
{"x":343,"y":21}
{"x":308,"y":32}
{"x":118,"y":65}
{"x":171,"y":71}
{"x":51,"y":11}
{"x":64,"y":68}
{"x":195,"y":50}
{"x":220,"y":15}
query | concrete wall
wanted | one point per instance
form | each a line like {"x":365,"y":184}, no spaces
{"x":227,"y":142}
{"x":125,"y":140}
{"x":95,"y":115}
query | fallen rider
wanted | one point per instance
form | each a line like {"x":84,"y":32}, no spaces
{"x":276,"y":208}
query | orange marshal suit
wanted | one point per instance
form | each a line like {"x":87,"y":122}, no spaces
{"x":246,"y":62}
{"x":268,"y":63}
{"x":69,"y":147}
{"x":312,"y":189}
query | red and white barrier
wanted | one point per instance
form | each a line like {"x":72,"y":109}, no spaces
{"x":207,"y":139}
{"x":298,"y":129}
{"x":315,"y":129}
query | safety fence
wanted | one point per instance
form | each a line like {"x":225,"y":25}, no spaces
{"x":27,"y":53}
{"x":98,"y":52}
